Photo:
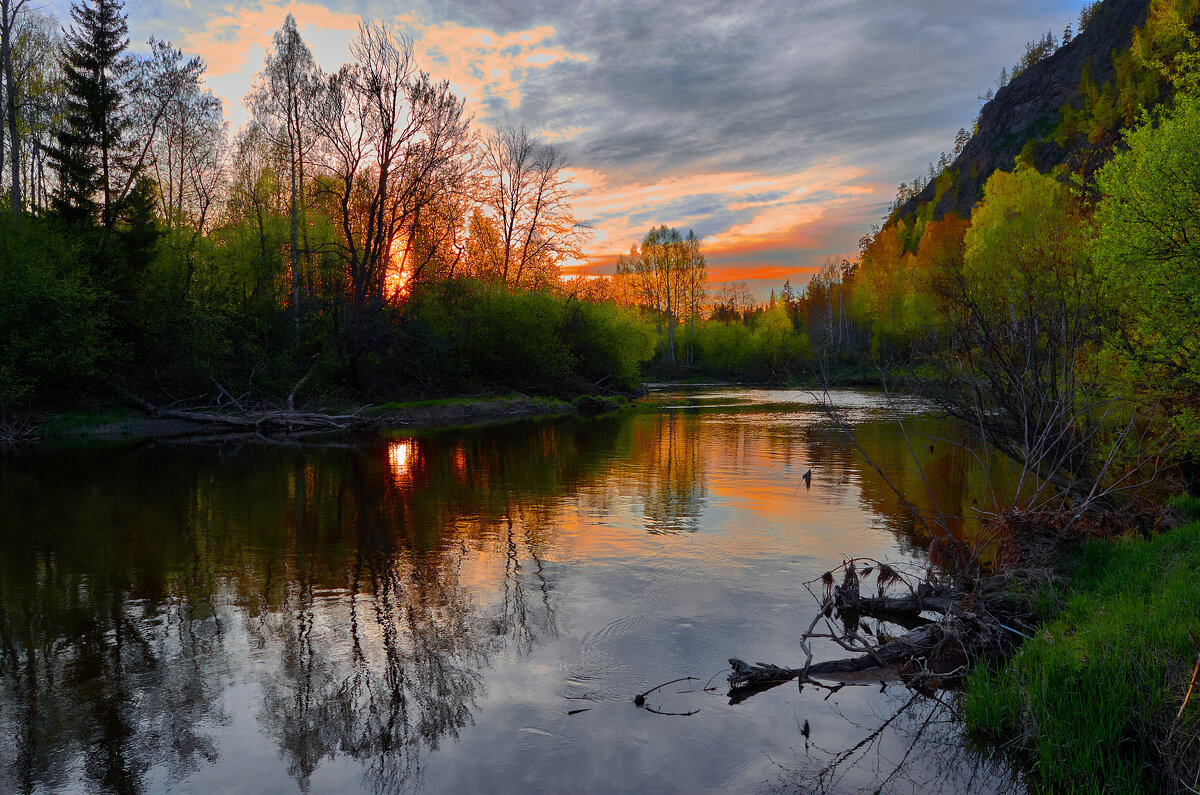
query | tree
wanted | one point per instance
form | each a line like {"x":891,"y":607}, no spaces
{"x":396,"y":142}
{"x":37,"y":76}
{"x":188,"y":137}
{"x":282,"y":101}
{"x":8,"y":22}
{"x":527,"y":196}
{"x":89,"y":148}
{"x":669,"y":276}
{"x":1025,"y":310}
{"x":693,"y":290}
{"x":1148,"y":250}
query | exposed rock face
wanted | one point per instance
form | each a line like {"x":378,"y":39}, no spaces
{"x":1029,"y":105}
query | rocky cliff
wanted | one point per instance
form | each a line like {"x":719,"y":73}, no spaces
{"x":1029,"y":109}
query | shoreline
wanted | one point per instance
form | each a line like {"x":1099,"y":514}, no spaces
{"x":132,"y":425}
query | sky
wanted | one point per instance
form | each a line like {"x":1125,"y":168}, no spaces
{"x":777,"y":130}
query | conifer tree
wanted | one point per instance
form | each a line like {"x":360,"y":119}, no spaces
{"x":89,"y":147}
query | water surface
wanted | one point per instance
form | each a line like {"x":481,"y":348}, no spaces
{"x":470,"y":610}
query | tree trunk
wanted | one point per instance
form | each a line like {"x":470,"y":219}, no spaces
{"x":7,"y":20}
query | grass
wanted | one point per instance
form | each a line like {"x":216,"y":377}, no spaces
{"x":1090,"y":703}
{"x":457,"y":401}
{"x":80,"y":423}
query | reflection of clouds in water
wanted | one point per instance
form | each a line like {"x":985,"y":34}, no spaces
{"x":903,"y":742}
{"x":436,"y":593}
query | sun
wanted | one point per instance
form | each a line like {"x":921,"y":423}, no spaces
{"x":395,"y":278}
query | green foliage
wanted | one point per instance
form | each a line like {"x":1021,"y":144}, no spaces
{"x":766,"y":348}
{"x":1148,"y":251}
{"x":1090,"y":697}
{"x":465,"y":336}
{"x":1026,"y":244}
{"x":725,"y":348}
{"x":609,"y":343}
{"x":52,"y":318}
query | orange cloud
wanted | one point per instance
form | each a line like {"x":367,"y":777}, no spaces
{"x":228,"y":37}
{"x":481,"y":63}
{"x":791,"y":207}
{"x":769,"y":273}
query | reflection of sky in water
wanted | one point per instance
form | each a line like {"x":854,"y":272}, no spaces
{"x":428,"y":613}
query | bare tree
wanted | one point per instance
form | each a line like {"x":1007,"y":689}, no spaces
{"x":188,"y":143}
{"x":527,"y":195}
{"x":395,"y":143}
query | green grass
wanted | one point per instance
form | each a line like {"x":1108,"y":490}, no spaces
{"x":457,"y":401}
{"x":1088,"y":701}
{"x":80,"y":423}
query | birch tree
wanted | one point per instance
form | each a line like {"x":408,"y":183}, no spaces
{"x":282,"y":100}
{"x":8,"y":22}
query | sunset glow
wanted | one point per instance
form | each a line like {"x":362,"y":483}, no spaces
{"x":396,"y":278}
{"x":815,"y":158}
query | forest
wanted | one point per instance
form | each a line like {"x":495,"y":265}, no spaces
{"x":359,"y":239}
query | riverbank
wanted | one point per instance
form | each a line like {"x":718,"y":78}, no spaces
{"x":1092,"y":702}
{"x":127,"y":424}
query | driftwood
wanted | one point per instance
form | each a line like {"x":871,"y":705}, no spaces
{"x":266,"y":421}
{"x":887,"y":657}
{"x":975,"y":619}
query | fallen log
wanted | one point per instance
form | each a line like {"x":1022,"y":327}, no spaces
{"x":971,"y":627}
{"x":258,"y":421}
{"x":920,"y":642}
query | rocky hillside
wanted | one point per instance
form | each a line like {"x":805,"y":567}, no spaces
{"x":1027,"y":114}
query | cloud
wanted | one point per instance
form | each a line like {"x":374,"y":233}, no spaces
{"x":229,"y":38}
{"x":728,"y":210}
{"x":488,"y":68}
{"x":774,"y":128}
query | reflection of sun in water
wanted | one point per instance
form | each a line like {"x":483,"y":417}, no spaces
{"x":402,"y":454}
{"x":395,"y":279}
{"x":460,"y":464}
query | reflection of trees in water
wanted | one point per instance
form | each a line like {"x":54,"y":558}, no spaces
{"x":667,"y":454}
{"x":115,"y":612}
{"x":379,"y":673}
{"x":958,"y":487}
{"x":522,"y":617}
{"x":915,"y":745}
{"x":99,"y":686}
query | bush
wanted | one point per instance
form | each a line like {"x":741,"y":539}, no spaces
{"x":465,"y":337}
{"x":53,"y":320}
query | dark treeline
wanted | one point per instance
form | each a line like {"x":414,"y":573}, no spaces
{"x":357,"y":237}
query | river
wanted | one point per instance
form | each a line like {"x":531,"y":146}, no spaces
{"x":469,"y":610}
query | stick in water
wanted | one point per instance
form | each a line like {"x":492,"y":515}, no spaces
{"x":640,"y":698}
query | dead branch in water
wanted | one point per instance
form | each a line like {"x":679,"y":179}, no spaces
{"x":975,"y":622}
{"x":263,"y":421}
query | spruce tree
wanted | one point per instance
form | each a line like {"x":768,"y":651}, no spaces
{"x":89,"y":147}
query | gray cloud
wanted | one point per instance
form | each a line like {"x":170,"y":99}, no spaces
{"x":770,"y":85}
